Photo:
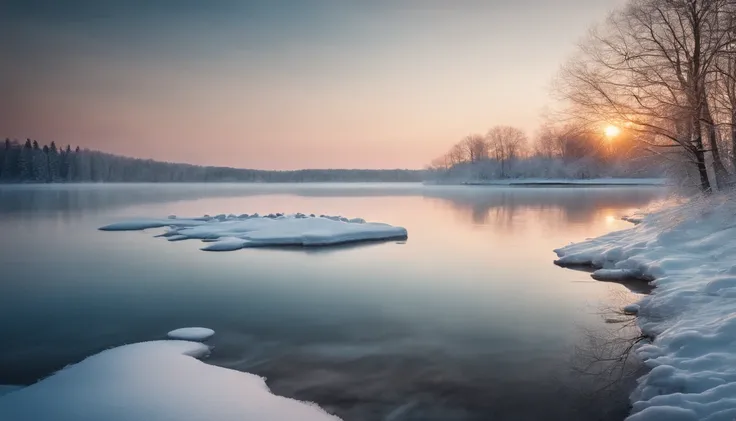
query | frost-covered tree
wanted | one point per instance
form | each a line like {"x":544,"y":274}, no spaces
{"x":506,"y":144}
{"x":651,"y":67}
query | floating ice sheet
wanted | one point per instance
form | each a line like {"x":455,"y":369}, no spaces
{"x":231,"y":232}
{"x":191,"y":333}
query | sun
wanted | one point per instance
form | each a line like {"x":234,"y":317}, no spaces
{"x":611,"y":131}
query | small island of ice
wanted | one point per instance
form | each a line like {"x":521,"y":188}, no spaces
{"x":191,"y":333}
{"x":153,"y":381}
{"x":231,"y":232}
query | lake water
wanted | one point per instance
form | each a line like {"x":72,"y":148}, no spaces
{"x":466,"y":320}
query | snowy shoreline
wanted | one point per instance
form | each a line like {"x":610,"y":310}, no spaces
{"x":559,"y":182}
{"x":688,"y":252}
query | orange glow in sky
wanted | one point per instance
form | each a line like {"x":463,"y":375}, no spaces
{"x":282,"y":85}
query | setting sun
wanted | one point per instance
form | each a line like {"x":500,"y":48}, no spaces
{"x":611,"y":131}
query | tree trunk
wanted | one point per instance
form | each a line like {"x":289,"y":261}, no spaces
{"x":696,"y":134}
{"x":702,"y":171}
{"x":733,"y":137}
{"x":719,"y":169}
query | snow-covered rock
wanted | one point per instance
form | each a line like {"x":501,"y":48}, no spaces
{"x":226,"y":233}
{"x":690,"y":252}
{"x":153,"y":381}
{"x":191,"y":333}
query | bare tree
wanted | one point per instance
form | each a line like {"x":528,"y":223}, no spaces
{"x":648,"y":67}
{"x":546,"y":142}
{"x":475,"y":148}
{"x":456,"y":154}
{"x":506,"y":143}
{"x":724,"y":86}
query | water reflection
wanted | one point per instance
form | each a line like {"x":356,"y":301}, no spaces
{"x":468,"y":320}
{"x":481,"y":203}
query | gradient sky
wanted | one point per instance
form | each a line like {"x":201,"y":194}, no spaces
{"x":277,"y":84}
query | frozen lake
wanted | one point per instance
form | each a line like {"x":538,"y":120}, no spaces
{"x":466,"y":320}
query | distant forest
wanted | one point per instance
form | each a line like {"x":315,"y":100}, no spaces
{"x":32,"y":163}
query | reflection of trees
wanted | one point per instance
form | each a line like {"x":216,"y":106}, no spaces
{"x":573,"y":205}
{"x":605,"y":357}
{"x":576,"y":204}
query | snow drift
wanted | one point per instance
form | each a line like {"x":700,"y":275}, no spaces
{"x":153,"y":381}
{"x":231,"y":232}
{"x":690,"y":253}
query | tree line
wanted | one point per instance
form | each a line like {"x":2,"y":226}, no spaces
{"x":31,"y":162}
{"x":558,"y":151}
{"x":665,"y":70}
{"x":663,"y":73}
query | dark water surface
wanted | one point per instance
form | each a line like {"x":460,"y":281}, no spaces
{"x":466,"y":320}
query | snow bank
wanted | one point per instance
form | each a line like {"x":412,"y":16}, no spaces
{"x":690,"y":252}
{"x":572,"y":182}
{"x":231,"y":232}
{"x":191,"y":333}
{"x":153,"y":381}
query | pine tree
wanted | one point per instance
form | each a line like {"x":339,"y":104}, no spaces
{"x":83,"y":171}
{"x":4,"y":152}
{"x":73,"y":172}
{"x":41,"y":164}
{"x":64,"y":158}
{"x":25,"y":162}
{"x":10,"y":166}
{"x":54,"y":163}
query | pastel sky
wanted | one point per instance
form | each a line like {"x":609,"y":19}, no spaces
{"x":281,"y":84}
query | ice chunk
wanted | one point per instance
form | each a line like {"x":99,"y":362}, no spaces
{"x":236,"y":232}
{"x":224,"y":244}
{"x":141,"y":224}
{"x":631,"y":309}
{"x":615,"y":274}
{"x":191,"y":333}
{"x":153,"y":381}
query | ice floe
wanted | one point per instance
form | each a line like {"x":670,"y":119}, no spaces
{"x":231,"y":232}
{"x":153,"y":381}
{"x":690,"y":252}
{"x":191,"y":333}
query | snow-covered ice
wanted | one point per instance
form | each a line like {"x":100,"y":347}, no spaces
{"x":191,"y":333}
{"x":231,"y":232}
{"x":690,"y":252}
{"x":141,"y":224}
{"x":153,"y":381}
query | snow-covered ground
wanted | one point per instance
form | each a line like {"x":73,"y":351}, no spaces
{"x":231,"y":232}
{"x":689,"y":250}
{"x":153,"y":381}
